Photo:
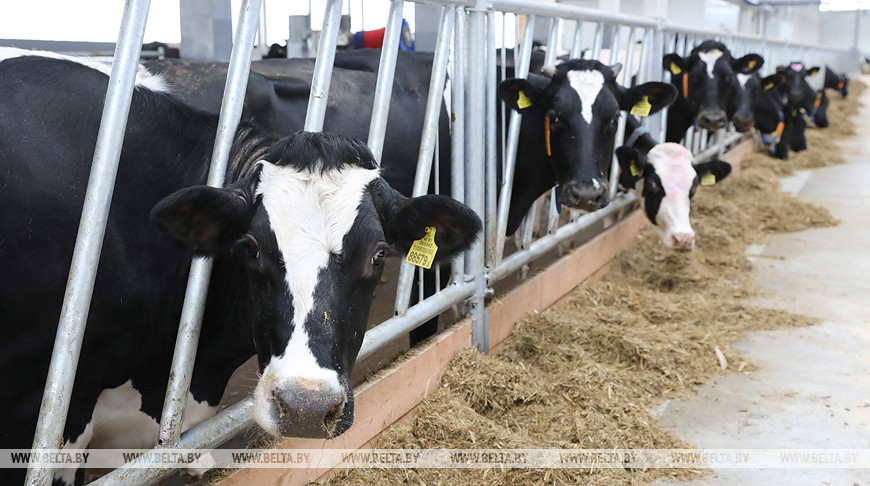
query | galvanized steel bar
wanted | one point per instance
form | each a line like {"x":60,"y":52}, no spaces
{"x":200,"y":269}
{"x":491,"y":210}
{"x":89,"y":240}
{"x":599,"y":40}
{"x":475,"y":143}
{"x":457,"y":136}
{"x":322,"y":76}
{"x":521,"y":70}
{"x":550,"y":60}
{"x":386,"y":73}
{"x":429,"y":138}
{"x":577,"y":45}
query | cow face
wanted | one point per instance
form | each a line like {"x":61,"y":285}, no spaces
{"x":669,"y":182}
{"x":577,"y":112}
{"x":744,"y":97}
{"x":797,"y":91}
{"x":707,"y":79}
{"x":307,"y":232}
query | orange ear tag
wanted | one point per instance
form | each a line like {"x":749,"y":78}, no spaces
{"x":840,"y":85}
{"x":818,"y":100}
{"x":547,"y":136}
{"x":779,"y":128}
{"x":685,"y":85}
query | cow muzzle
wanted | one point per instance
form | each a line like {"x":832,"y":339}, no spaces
{"x":680,"y":241}
{"x":711,"y":119}
{"x":743,"y":122}
{"x":585,"y":196}
{"x":307,"y":408}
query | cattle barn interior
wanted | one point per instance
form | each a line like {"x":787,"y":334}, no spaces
{"x":434,"y":242}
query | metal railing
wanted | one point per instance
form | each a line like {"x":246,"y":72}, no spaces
{"x":469,"y":28}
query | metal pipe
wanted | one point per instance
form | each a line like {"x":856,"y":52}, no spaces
{"x":474,"y":167}
{"x":322,"y":76}
{"x":491,"y":210}
{"x":577,"y":46}
{"x":386,"y":73}
{"x":429,"y":138}
{"x":546,"y":243}
{"x":599,"y":40}
{"x":192,"y":311}
{"x":457,"y":136}
{"x":510,"y":153}
{"x":89,"y":239}
{"x":550,"y":60}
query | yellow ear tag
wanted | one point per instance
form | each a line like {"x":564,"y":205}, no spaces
{"x":752,"y":64}
{"x":422,"y":252}
{"x":708,"y":180}
{"x":642,"y":107}
{"x":768,"y":86}
{"x":675,"y":69}
{"x":634,"y":170}
{"x":523,"y":101}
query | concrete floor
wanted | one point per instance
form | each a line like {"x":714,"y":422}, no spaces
{"x":812,"y":386}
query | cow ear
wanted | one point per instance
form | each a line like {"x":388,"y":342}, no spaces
{"x":674,"y":64}
{"x":616,"y":68}
{"x":208,"y":220}
{"x":747,"y":64}
{"x":405,"y":220}
{"x":631,"y":166}
{"x":658,"y":95}
{"x":712,"y":172}
{"x":813,"y":71}
{"x":771,"y":82}
{"x":780,"y":68}
{"x":519,"y":94}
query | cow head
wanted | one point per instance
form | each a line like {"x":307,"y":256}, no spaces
{"x":744,"y":98}
{"x":707,"y":78}
{"x":669,"y":182}
{"x":797,"y":91}
{"x":577,"y":111}
{"x":307,"y":231}
{"x":838,"y":82}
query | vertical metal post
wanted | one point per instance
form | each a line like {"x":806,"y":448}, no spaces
{"x":491,"y":216}
{"x":474,"y":168}
{"x":521,"y":70}
{"x":457,"y":168}
{"x":322,"y":76}
{"x":428,"y":139}
{"x":386,"y":72}
{"x":192,"y":311}
{"x":550,"y":60}
{"x":577,"y":46}
{"x":599,"y":39}
{"x":623,"y":117}
{"x":89,"y":240}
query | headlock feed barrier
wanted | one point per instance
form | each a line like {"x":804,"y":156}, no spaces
{"x":466,"y":55}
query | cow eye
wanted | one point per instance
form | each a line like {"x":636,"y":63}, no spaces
{"x":379,"y":257}
{"x":251,"y":246}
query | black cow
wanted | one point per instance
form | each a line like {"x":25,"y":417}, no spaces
{"x":706,"y":80}
{"x":819,"y":113}
{"x":780,"y":110}
{"x":298,"y":234}
{"x":838,"y":82}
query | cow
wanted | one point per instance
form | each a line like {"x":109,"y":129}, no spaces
{"x":780,"y":110}
{"x":298,"y":235}
{"x":706,"y":79}
{"x":837,"y":82}
{"x":819,"y":113}
{"x":669,"y":180}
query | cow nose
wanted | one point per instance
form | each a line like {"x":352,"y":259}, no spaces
{"x":306,"y":408}
{"x":587,"y":196}
{"x":682,"y":241}
{"x":743,"y":122}
{"x":711,"y":120}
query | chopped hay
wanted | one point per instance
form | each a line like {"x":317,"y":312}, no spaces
{"x":589,"y":373}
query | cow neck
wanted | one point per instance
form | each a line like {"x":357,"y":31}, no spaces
{"x":249,"y":147}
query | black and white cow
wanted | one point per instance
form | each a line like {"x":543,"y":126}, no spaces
{"x":669,"y":179}
{"x":780,"y":110}
{"x":838,"y":82}
{"x":298,"y":234}
{"x":706,"y":80}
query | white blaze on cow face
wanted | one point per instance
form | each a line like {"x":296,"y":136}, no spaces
{"x":310,"y":213}
{"x":742,"y":79}
{"x":587,"y":84}
{"x":710,"y":58}
{"x":673,"y":165}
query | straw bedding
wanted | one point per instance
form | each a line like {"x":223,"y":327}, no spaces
{"x":590,"y":373}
